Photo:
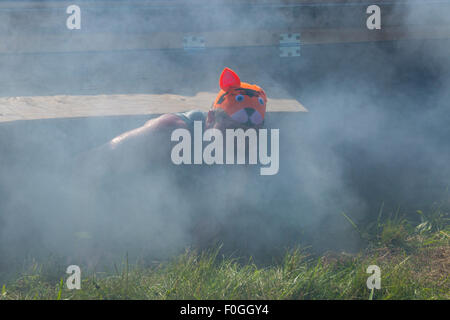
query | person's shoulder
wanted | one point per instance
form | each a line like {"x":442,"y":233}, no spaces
{"x":166,"y":121}
{"x":177,"y":120}
{"x":196,"y":115}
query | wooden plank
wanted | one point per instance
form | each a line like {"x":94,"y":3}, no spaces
{"x":129,"y":20}
{"x":171,"y":3}
{"x":32,"y":27}
{"x":174,"y":40}
{"x":64,"y":106}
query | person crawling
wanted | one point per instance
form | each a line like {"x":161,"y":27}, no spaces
{"x":134,"y":175}
{"x":238,"y":105}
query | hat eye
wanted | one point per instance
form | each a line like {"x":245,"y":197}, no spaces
{"x":239,"y":98}
{"x":261,"y":100}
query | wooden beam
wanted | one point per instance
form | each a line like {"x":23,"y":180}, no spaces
{"x":174,"y":3}
{"x":63,"y":106}
{"x":43,"y":43}
{"x":35,"y":26}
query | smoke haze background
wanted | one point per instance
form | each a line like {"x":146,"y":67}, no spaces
{"x":377,"y":131}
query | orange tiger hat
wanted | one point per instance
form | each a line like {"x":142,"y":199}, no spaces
{"x":243,"y":102}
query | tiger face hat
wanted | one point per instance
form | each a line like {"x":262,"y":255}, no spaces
{"x":243,"y":102}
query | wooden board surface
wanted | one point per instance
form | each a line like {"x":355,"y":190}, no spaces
{"x":32,"y":27}
{"x":158,"y":3}
{"x":65,"y":106}
{"x":174,"y":40}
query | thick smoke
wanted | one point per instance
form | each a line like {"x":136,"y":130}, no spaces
{"x":377,"y":131}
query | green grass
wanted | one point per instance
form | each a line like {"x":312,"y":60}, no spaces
{"x":414,"y":263}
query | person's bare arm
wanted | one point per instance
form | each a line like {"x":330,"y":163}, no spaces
{"x":138,"y":149}
{"x":162,"y":124}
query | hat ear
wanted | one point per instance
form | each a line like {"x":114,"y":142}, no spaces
{"x":264,"y":94}
{"x":229,"y":79}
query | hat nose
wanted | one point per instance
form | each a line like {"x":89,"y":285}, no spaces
{"x":249,"y":111}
